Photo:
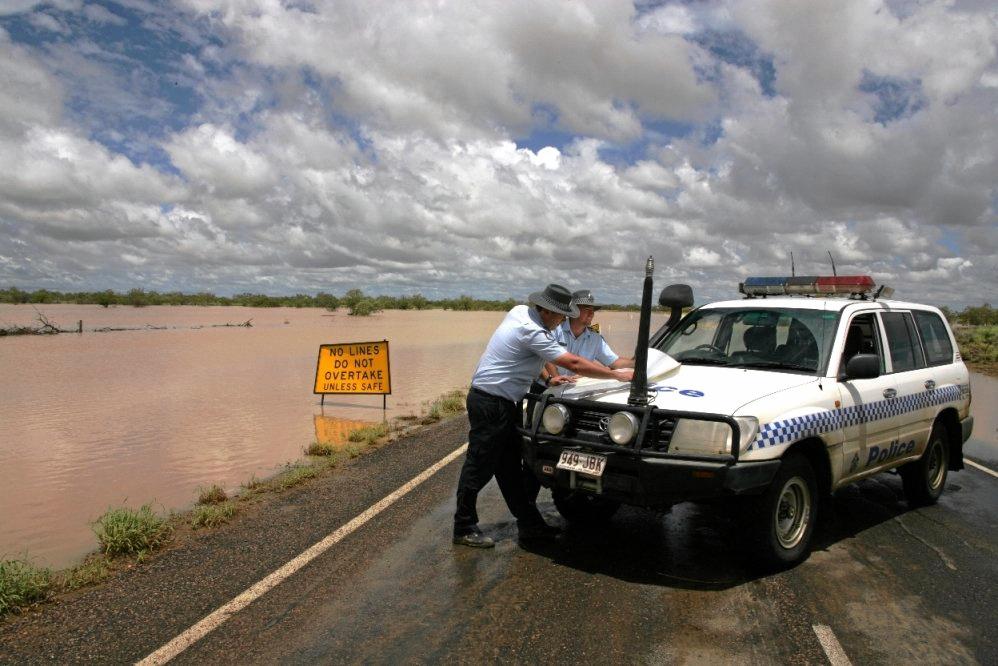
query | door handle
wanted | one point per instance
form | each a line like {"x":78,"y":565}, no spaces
{"x":890,"y":393}
{"x":930,"y":384}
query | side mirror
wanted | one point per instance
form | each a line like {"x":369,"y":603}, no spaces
{"x":676,"y":296}
{"x":863,"y":366}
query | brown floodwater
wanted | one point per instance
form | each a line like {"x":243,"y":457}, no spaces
{"x":98,"y":420}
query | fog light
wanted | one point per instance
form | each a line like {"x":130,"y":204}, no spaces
{"x":623,"y":427}
{"x":555,"y":418}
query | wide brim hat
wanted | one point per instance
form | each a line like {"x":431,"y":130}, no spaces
{"x":585,"y":297}
{"x":556,"y":299}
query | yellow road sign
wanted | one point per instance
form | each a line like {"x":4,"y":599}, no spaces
{"x":353,"y":368}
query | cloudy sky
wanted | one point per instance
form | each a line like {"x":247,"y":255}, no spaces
{"x":490,"y":147}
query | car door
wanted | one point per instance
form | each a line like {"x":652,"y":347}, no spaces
{"x":915,"y":385}
{"x":867,"y":409}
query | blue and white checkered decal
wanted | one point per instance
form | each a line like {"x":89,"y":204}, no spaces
{"x":799,"y":427}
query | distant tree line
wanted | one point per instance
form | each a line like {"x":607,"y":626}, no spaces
{"x":355,"y":300}
{"x":981,"y":315}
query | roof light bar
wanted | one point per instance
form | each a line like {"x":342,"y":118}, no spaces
{"x":809,"y":284}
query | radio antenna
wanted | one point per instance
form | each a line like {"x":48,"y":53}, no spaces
{"x":793,"y":269}
{"x":832,"y":259}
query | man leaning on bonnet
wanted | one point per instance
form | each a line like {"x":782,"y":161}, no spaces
{"x":512,"y":360}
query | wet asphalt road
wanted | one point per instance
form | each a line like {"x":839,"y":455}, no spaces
{"x":894,"y":585}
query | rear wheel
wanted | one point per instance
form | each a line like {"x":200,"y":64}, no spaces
{"x":576,"y":506}
{"x":781,"y":521}
{"x":924,"y":479}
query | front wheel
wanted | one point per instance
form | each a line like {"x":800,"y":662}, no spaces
{"x":781,"y":521}
{"x":576,"y":506}
{"x":923,"y":479}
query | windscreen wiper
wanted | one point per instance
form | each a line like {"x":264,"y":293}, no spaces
{"x":697,"y":360}
{"x":775,"y":365}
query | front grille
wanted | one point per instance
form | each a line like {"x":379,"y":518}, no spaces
{"x":657,"y":436}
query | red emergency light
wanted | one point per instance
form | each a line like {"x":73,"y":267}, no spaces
{"x":811,"y":285}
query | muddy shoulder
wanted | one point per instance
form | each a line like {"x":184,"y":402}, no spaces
{"x":124,"y":616}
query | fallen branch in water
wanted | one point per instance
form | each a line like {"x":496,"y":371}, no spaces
{"x":44,"y":327}
{"x":245,"y":324}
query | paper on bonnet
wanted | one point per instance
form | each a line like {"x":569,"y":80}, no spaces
{"x":660,"y":364}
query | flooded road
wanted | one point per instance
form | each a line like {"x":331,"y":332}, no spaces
{"x":98,"y":420}
{"x":104,"y":419}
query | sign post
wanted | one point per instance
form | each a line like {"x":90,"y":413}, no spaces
{"x":354,"y":368}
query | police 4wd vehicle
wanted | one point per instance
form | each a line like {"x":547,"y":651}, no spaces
{"x":805,"y":385}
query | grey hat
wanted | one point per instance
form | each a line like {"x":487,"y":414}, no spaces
{"x":556,"y":299}
{"x":585,"y":297}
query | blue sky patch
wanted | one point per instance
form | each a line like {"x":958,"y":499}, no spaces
{"x":895,"y":98}
{"x":735,"y":48}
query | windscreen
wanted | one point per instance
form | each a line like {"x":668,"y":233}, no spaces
{"x":780,"y":339}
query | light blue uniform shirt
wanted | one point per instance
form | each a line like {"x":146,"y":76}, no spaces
{"x":515,"y":354}
{"x":590,"y":345}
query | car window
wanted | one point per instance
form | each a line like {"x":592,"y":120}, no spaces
{"x":935,"y":337}
{"x":861,"y":338}
{"x":791,"y":340}
{"x":906,"y":351}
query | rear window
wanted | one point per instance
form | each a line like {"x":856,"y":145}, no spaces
{"x":906,"y":353}
{"x":935,"y":338}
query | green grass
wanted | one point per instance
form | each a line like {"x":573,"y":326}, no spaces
{"x":213,"y":494}
{"x":295,"y":475}
{"x":978,"y":344}
{"x":125,"y":531}
{"x":318,"y":448}
{"x":449,"y":404}
{"x":368,"y":434}
{"x":22,"y":584}
{"x":212,"y":515}
{"x":92,"y":571}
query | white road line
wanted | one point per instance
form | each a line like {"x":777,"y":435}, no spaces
{"x":830,"y":644}
{"x":215,"y":619}
{"x":986,"y":470}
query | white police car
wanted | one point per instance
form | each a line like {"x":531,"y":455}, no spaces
{"x":819,"y":382}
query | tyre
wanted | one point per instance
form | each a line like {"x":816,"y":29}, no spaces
{"x":781,"y":521}
{"x":579,"y":507}
{"x":923,"y":479}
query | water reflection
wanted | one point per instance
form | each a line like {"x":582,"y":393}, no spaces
{"x":335,"y":431}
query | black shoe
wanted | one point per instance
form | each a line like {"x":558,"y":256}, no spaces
{"x":474,"y":540}
{"x":539,"y":531}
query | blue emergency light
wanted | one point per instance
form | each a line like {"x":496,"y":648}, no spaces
{"x":807,"y":284}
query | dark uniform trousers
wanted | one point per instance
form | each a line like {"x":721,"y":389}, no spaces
{"x":493,"y":450}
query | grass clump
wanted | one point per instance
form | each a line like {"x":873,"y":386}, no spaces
{"x":213,"y":494}
{"x":446,"y":405}
{"x":368,"y":434}
{"x":22,"y":584}
{"x":125,"y":531}
{"x":212,"y":515}
{"x":295,"y":475}
{"x":318,"y":448}
{"x":92,"y":571}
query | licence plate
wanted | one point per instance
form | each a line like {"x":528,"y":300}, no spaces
{"x":589,"y":464}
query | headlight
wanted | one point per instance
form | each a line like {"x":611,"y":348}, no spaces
{"x":623,"y":427}
{"x":712,"y":437}
{"x":555,"y":418}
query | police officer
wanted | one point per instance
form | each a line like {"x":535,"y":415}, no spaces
{"x":576,"y":336}
{"x":512,"y":360}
